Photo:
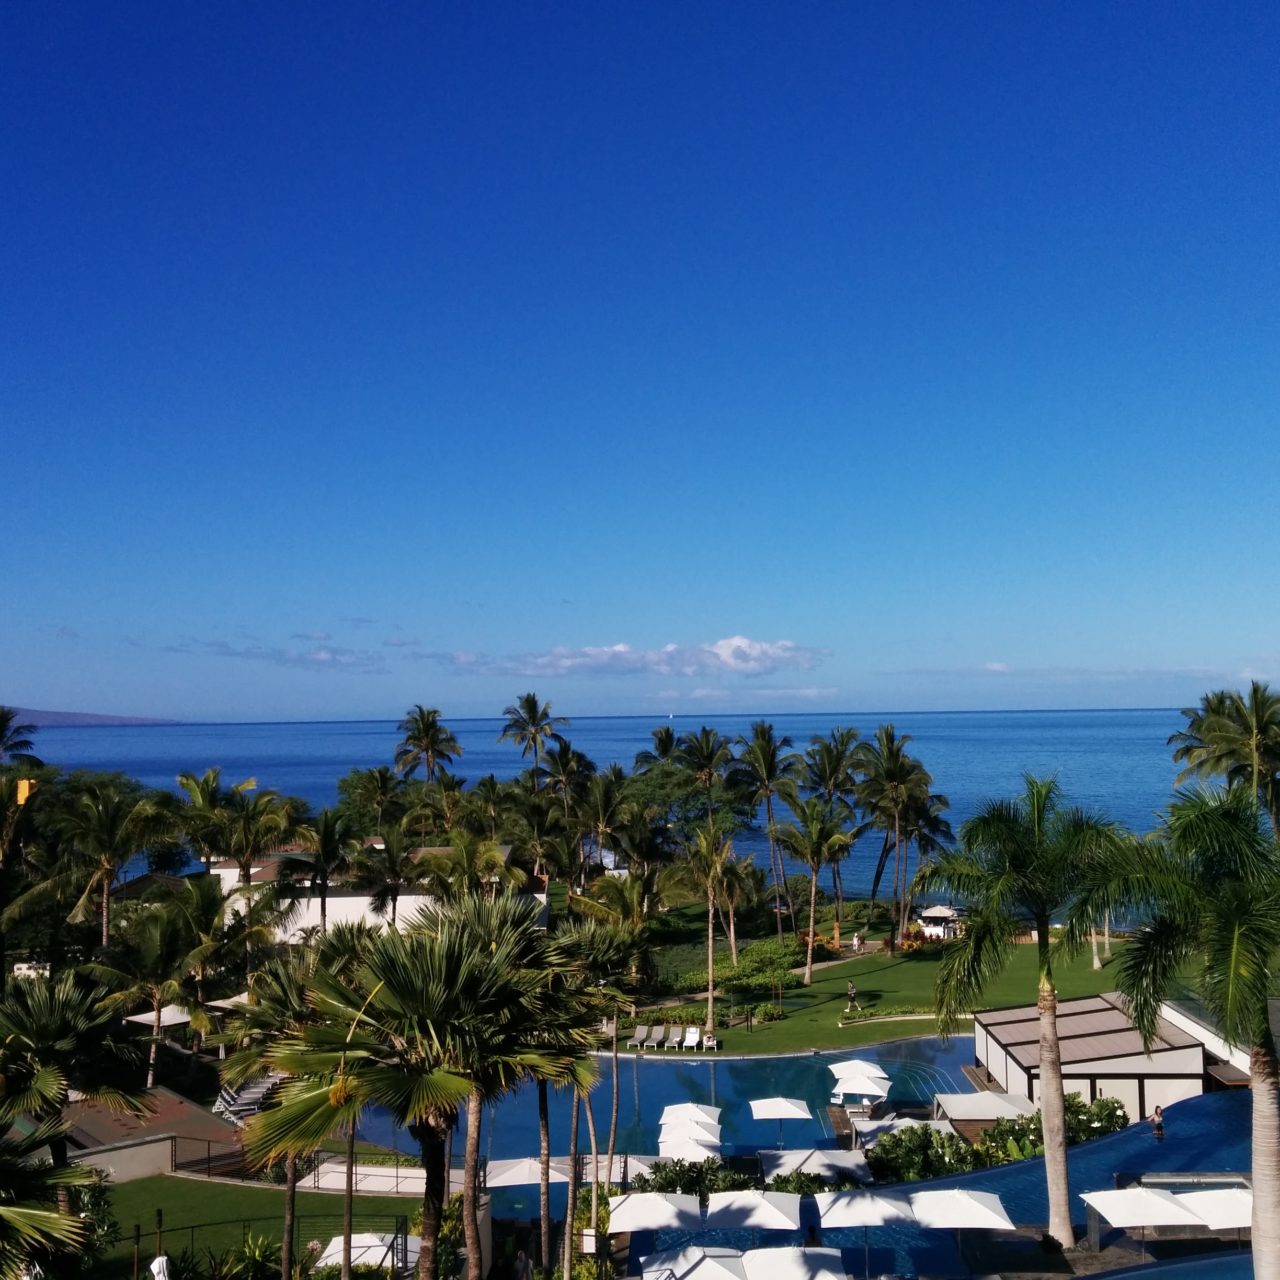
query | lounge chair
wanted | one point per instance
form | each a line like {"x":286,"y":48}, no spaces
{"x":674,"y":1038}
{"x":654,"y":1038}
{"x":637,"y":1036}
{"x":709,"y":1043}
{"x":691,"y":1037}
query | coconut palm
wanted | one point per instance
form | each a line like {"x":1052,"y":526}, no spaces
{"x":706,"y":757}
{"x":15,"y":740}
{"x":1208,"y":884}
{"x":664,"y":750}
{"x":530,"y":825}
{"x":604,"y":807}
{"x":206,"y":800}
{"x":328,"y":848}
{"x":701,"y":873}
{"x":487,"y":801}
{"x":567,"y":772}
{"x":830,"y":772}
{"x":472,"y":867}
{"x":373,"y":791}
{"x":812,"y":839}
{"x":427,"y":742}
{"x":251,"y":827}
{"x":768,"y":763}
{"x":389,"y":867}
{"x":1019,"y":859}
{"x":219,"y":929}
{"x":1236,"y":737}
{"x":31,"y":1224}
{"x":531,"y":726}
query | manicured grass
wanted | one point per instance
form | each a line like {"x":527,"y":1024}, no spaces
{"x":901,"y":982}
{"x":201,"y":1214}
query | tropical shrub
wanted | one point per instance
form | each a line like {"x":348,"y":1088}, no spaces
{"x":694,"y":1178}
{"x":919,"y":1152}
{"x":359,"y":1271}
{"x":91,"y":1202}
{"x":767,"y":1013}
{"x":258,"y":1259}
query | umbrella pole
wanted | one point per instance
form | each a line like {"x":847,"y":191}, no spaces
{"x":866,"y":1251}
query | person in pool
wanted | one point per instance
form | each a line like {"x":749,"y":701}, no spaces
{"x":1157,"y":1123}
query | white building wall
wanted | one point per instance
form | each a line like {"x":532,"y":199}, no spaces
{"x":1126,"y":1091}
{"x":1215,"y":1044}
{"x":1164,"y":1093}
{"x":1166,"y":1062}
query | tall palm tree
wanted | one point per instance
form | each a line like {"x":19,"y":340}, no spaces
{"x":374,"y":790}
{"x":812,"y":839}
{"x":251,"y":827}
{"x":427,"y":742}
{"x":767,"y":761}
{"x":664,"y":750}
{"x":1019,"y":859}
{"x":385,"y":870}
{"x":531,"y":726}
{"x":604,"y":807}
{"x":488,"y":799}
{"x":530,"y":825}
{"x":701,"y":872}
{"x":206,"y":801}
{"x":220,"y":931}
{"x":31,"y":1223}
{"x":1208,"y":885}
{"x":567,"y":772}
{"x":15,"y":740}
{"x":1236,"y":737}
{"x":329,"y":847}
{"x":706,"y":757}
{"x":830,"y":771}
{"x":472,"y":868}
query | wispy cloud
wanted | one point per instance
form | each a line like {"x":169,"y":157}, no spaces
{"x":359,"y":623}
{"x":314,"y":657}
{"x":319,"y":636}
{"x":400,"y":642}
{"x":734,"y":655}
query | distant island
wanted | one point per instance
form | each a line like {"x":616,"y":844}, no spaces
{"x":70,"y":719}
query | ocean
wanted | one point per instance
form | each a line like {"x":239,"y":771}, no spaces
{"x":1116,"y":762}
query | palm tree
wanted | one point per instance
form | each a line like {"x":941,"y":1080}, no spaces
{"x":329,"y":847}
{"x":1208,"y":884}
{"x":427,"y":742}
{"x":530,"y":725}
{"x":813,"y":839}
{"x":568,"y":772}
{"x":767,"y":762}
{"x":664,"y":750}
{"x":1019,"y":859}
{"x":219,"y":929}
{"x":1236,"y":737}
{"x":206,"y":801}
{"x":701,"y":872}
{"x":31,"y":1224}
{"x":386,"y":869}
{"x":830,"y":772}
{"x":375,"y":790}
{"x":471,"y":868}
{"x":705,"y":756}
{"x":531,"y":825}
{"x":102,"y":828}
{"x":251,"y":828}
{"x":488,"y":798}
{"x":604,"y":807}
{"x":55,"y":1039}
{"x":15,"y":740}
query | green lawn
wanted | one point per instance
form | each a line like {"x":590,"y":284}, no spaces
{"x":889,"y":982}
{"x":200,"y":1214}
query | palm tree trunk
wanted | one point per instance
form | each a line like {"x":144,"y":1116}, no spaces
{"x":1106,"y":934}
{"x":1264,"y":1075}
{"x":324,"y":910}
{"x":711,"y":960}
{"x":838,"y":885}
{"x":59,"y":1159}
{"x":430,"y":1136}
{"x":571,"y":1204}
{"x":775,"y":863}
{"x":290,"y":1203}
{"x":613,"y":1103}
{"x":895,"y":925}
{"x":1052,"y":1106}
{"x":595,"y":1168}
{"x":106,"y":913}
{"x":348,"y":1200}
{"x":471,"y":1186}
{"x":1093,"y":949}
{"x":544,"y":1176}
{"x":733,"y":935}
{"x":813,"y":911}
{"x":155,"y":1046}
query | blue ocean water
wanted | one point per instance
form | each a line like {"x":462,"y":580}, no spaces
{"x":1114,"y":761}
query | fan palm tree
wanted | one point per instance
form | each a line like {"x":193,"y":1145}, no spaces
{"x":329,"y":847}
{"x":812,"y":839}
{"x":427,"y":742}
{"x":15,"y":740}
{"x":31,"y":1224}
{"x":767,"y":761}
{"x":705,"y":756}
{"x":1019,"y":859}
{"x":55,"y":1038}
{"x":531,"y":726}
{"x":1208,"y":885}
{"x":701,"y":873}
{"x":386,"y":869}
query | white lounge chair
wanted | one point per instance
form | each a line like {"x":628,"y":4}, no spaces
{"x":691,"y":1038}
{"x":674,"y":1038}
{"x":654,"y":1038}
{"x":637,"y":1036}
{"x":709,"y":1043}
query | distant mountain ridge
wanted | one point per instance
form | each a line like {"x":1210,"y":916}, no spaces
{"x":70,"y":719}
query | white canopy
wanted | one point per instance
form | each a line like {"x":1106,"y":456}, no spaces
{"x":654,"y":1211}
{"x":765,"y":1210}
{"x":1221,"y":1209}
{"x":983,"y":1105}
{"x":780,"y":1109}
{"x":628,"y":1164}
{"x":793,"y":1264}
{"x":1142,"y":1207}
{"x":707,"y":1262}
{"x":231,"y":1003}
{"x":686,"y":1149}
{"x":172,"y":1015}
{"x":861,"y":1209}
{"x":367,"y":1249}
{"x":863,"y":1086}
{"x":694,"y":1111}
{"x":698,"y":1130}
{"x":939,"y":913}
{"x":524,"y":1172}
{"x":959,"y":1209}
{"x":826,"y":1164}
{"x":857,"y":1067}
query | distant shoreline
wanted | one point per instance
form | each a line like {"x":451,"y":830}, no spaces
{"x":83,"y":719}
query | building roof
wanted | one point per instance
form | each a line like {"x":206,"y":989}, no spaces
{"x":1090,"y":1029}
{"x":94,"y":1124}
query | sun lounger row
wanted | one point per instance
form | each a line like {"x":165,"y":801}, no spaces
{"x":662,"y":1036}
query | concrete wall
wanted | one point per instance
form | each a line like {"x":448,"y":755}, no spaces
{"x":128,"y":1161}
{"x":1215,"y":1044}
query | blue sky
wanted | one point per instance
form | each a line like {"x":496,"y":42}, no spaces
{"x":655,"y":356}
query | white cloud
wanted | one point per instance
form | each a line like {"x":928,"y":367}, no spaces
{"x":316,"y":657}
{"x":995,"y":666}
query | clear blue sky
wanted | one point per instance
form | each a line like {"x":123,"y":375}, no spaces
{"x":360,"y":355}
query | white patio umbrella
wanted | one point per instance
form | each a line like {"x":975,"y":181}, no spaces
{"x":1142,"y":1207}
{"x":694,"y":1111}
{"x":763,"y":1210}
{"x":960,"y":1210}
{"x":703,"y":1262}
{"x":939,"y":913}
{"x":865,"y":1209}
{"x":1221,"y":1208}
{"x":863,"y":1086}
{"x":793,"y":1264}
{"x":858,"y":1067}
{"x":231,"y":1003}
{"x":826,"y":1164}
{"x":676,"y":1148}
{"x":699,"y":1130}
{"x":524,"y":1172}
{"x":653,"y":1211}
{"x":172,"y":1015}
{"x":780,"y":1109}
